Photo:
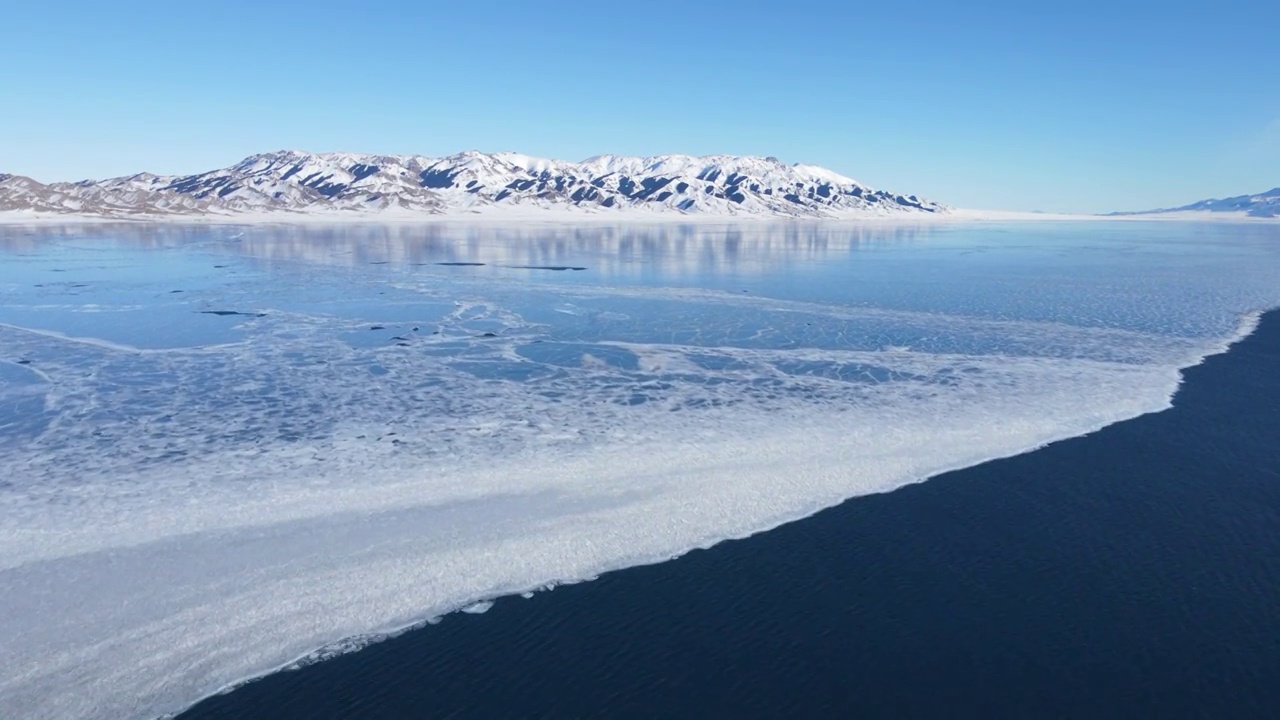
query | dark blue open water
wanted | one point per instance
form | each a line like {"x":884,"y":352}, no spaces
{"x":1132,"y":573}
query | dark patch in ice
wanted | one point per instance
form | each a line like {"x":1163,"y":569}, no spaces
{"x":231,"y":312}
{"x":460,"y":264}
{"x":546,"y":267}
{"x":378,"y":327}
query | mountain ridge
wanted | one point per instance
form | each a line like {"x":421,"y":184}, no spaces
{"x":1259,"y":205}
{"x":300,"y":182}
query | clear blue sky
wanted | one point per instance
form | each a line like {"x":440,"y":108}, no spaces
{"x":1076,"y":106}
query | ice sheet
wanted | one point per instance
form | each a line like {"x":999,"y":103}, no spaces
{"x":372,"y":440}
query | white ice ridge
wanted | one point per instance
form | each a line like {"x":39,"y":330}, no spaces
{"x":286,"y":502}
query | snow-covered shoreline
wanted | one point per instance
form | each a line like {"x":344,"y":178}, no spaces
{"x":503,"y":216}
{"x":532,"y":216}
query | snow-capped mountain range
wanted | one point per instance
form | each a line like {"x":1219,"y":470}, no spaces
{"x":294,"y":182}
{"x":1262,"y":205}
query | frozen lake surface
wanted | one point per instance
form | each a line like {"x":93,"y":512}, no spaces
{"x":226,"y":449}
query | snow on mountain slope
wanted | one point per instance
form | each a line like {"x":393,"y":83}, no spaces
{"x":292,"y":181}
{"x":1262,"y":205}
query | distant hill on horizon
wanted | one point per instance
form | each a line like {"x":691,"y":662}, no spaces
{"x":1261,"y":205}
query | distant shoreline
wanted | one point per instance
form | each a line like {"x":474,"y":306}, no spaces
{"x":561,"y":217}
